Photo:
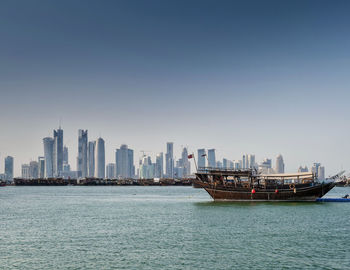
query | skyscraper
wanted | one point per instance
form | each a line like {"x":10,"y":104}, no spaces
{"x":100,"y":158}
{"x":279,"y":164}
{"x":251,"y":161}
{"x":321,"y":173}
{"x":25,"y":171}
{"x":110,"y":171}
{"x":58,"y":152}
{"x":146,"y":168}
{"x":211,"y":158}
{"x":185,"y":163}
{"x":82,"y":166}
{"x":9,"y":168}
{"x":201,"y":158}
{"x":303,"y":169}
{"x":33,"y":170}
{"x":48,"y":153}
{"x":65,"y":155}
{"x":244,"y":162}
{"x":159,"y":166}
{"x":124,"y":159}
{"x":91,"y":159}
{"x":169,"y":160}
{"x":41,"y":162}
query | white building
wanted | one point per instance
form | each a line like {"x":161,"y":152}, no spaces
{"x":100,"y":158}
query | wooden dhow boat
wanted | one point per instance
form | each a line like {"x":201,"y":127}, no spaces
{"x":249,"y":185}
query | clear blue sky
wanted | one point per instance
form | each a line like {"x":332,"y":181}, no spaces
{"x":263,"y":77}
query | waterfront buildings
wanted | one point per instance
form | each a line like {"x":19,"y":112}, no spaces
{"x":147,"y":168}
{"x":9,"y":168}
{"x":100,"y":158}
{"x":303,"y":169}
{"x":321,"y":173}
{"x":318,"y":170}
{"x":124,"y":160}
{"x":237,"y":164}
{"x":169,"y":160}
{"x":184,"y":163}
{"x":48,"y":154}
{"x":82,"y":164}
{"x":91,"y":159}
{"x":65,"y":155}
{"x":110,"y":171}
{"x":41,"y":167}
{"x":201,"y":154}
{"x":57,"y":152}
{"x":211,"y":158}
{"x":265,"y":166}
{"x":244,"y":161}
{"x":279,"y":164}
{"x":25,"y":171}
{"x":33,"y":170}
{"x":159,"y":170}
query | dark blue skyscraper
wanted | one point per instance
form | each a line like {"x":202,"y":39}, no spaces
{"x":82,"y":164}
{"x":58,"y":152}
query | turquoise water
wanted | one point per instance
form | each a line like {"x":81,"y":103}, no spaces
{"x":166,"y":228}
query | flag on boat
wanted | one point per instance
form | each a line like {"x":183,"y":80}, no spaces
{"x":190,"y":156}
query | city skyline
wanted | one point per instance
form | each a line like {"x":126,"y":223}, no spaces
{"x":261,"y":77}
{"x":128,"y":165}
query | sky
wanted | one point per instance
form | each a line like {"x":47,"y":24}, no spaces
{"x":260,"y":77}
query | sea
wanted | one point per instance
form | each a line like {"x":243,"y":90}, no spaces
{"x":133,"y":227}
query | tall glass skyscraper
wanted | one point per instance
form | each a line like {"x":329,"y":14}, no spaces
{"x":65,"y":155}
{"x":48,"y":153}
{"x":58,"y":152}
{"x":211,"y":158}
{"x":159,"y":166}
{"x":82,"y":164}
{"x":201,"y":158}
{"x":91,"y":159}
{"x":169,"y":160}
{"x":9,"y":168}
{"x":124,"y":159}
{"x":100,"y":158}
{"x":41,"y":162}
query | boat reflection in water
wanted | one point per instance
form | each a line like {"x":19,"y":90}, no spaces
{"x":249,"y":185}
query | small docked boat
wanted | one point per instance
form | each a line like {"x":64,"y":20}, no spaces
{"x":249,"y":185}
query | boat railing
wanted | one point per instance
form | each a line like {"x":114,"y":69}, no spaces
{"x":217,"y":169}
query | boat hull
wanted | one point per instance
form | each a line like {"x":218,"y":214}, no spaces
{"x":311,"y":193}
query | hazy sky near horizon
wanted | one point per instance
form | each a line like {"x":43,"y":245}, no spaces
{"x":263,"y":77}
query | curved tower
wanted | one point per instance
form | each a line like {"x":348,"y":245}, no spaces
{"x":100,"y":158}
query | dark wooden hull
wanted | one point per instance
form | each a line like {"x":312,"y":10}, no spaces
{"x":310,"y":193}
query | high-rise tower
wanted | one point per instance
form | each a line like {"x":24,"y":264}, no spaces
{"x":100,"y":158}
{"x":48,"y":154}
{"x":82,"y":164}
{"x":211,"y":158}
{"x":58,"y":152}
{"x":169,"y":160}
{"x":124,"y":159}
{"x":9,"y":168}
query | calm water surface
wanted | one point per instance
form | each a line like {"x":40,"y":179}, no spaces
{"x":166,"y":228}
